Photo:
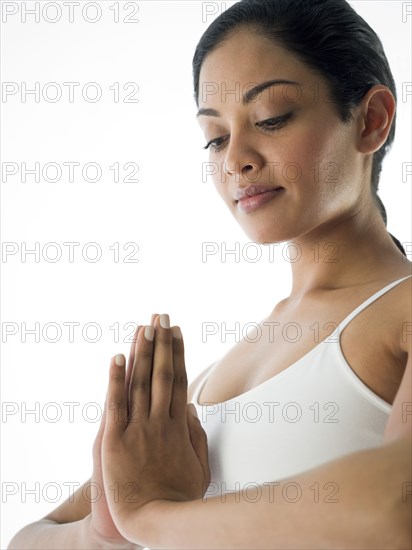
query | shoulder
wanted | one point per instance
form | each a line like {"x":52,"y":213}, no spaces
{"x":403,"y":309}
{"x":391,"y":316}
{"x":396,"y":316}
{"x":400,"y":420}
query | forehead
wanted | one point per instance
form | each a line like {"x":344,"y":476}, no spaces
{"x":247,"y":58}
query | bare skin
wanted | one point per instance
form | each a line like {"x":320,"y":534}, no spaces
{"x":307,"y":211}
{"x":311,"y":210}
{"x":370,"y":343}
{"x":336,"y":215}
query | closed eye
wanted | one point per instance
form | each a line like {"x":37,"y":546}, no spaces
{"x":269,"y":125}
{"x":274,"y":123}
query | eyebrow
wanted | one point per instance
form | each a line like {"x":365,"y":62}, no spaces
{"x":249,"y":96}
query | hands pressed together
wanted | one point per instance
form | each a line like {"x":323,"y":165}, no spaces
{"x":150,"y":445}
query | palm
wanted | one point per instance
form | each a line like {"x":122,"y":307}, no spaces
{"x":101,"y":518}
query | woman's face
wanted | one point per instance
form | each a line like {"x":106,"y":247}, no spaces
{"x":286,"y":136}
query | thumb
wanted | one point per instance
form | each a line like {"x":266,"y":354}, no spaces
{"x":198,"y":439}
{"x":99,"y":436}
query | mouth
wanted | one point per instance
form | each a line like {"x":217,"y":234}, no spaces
{"x":253,"y":190}
{"x":251,"y":203}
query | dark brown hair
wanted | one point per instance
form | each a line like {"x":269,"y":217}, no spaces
{"x":331,"y":38}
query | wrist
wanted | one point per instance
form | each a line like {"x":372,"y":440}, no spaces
{"x":98,"y":542}
{"x":149,"y":525}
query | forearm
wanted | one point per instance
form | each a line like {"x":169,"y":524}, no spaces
{"x":373,"y":510}
{"x":75,"y":508}
{"x":64,"y":525}
{"x":46,"y":534}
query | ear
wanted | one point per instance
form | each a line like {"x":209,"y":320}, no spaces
{"x":376,"y":115}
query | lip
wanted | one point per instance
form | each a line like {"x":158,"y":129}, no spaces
{"x":249,"y":204}
{"x":253,"y":190}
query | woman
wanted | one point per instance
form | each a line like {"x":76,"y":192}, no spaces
{"x":297,"y":104}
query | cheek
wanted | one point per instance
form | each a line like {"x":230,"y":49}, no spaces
{"x":314,"y":161}
{"x":219,"y":182}
{"x":311,"y":151}
{"x":217,"y":176}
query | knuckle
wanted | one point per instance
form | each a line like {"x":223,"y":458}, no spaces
{"x":160,"y":429}
{"x":115,"y":405}
{"x":178,"y":345}
{"x":164,"y":375}
{"x":180,"y":380}
{"x":135,"y":413}
{"x":116,"y":377}
{"x":141,"y":384}
{"x":145,"y":353}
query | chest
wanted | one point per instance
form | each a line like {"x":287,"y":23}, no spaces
{"x":288,"y":334}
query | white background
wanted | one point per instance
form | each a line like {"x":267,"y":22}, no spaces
{"x":168,"y":214}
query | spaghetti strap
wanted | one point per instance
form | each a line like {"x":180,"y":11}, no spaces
{"x":367,"y":302}
{"x":312,"y":412}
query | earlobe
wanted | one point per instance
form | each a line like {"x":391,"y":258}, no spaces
{"x":377,"y":112}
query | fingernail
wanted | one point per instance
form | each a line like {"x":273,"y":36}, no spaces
{"x":152,"y":320}
{"x":119,"y":360}
{"x":149,"y":332}
{"x":176,"y":332}
{"x":164,"y":320}
{"x":193,"y":410}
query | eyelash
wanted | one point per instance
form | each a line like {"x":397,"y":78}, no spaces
{"x":269,"y":125}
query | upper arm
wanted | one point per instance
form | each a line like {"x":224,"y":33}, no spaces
{"x":192,"y":387}
{"x":400,"y":420}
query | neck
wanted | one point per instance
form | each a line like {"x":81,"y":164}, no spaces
{"x":353,"y":251}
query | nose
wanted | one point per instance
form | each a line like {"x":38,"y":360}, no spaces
{"x":242,"y":157}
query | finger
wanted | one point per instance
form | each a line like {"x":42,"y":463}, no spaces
{"x":98,"y":440}
{"x":140,"y":381}
{"x":130,"y":363}
{"x":198,"y":439}
{"x":152,"y":320}
{"x":116,"y":402}
{"x":102,"y":424}
{"x":130,"y":360}
{"x":162,"y":375}
{"x":179,"y":394}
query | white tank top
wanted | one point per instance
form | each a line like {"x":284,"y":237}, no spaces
{"x":314,"y":411}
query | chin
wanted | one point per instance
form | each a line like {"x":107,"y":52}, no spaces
{"x":265,"y":233}
{"x":266,"y":238}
